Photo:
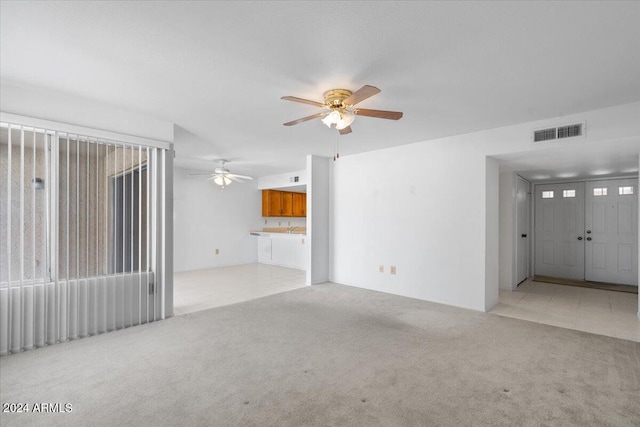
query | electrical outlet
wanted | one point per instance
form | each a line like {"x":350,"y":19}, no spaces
{"x":265,"y":222}
{"x":217,"y":251}
{"x":303,"y":241}
{"x":279,"y":223}
{"x":288,"y":223}
{"x":381,"y":269}
{"x":393,"y":269}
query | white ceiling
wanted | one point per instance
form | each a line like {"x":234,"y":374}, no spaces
{"x":218,"y":69}
{"x":568,"y":163}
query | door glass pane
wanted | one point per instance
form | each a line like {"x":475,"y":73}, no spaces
{"x":625,"y":191}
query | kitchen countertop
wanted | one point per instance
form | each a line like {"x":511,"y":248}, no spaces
{"x":297,"y":231}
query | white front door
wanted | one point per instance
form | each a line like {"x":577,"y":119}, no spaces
{"x":559,"y":228}
{"x":522,"y":230}
{"x":611,"y":231}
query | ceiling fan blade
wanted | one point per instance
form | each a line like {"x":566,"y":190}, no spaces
{"x":379,"y":114}
{"x":240,"y":176}
{"x":345,"y":130}
{"x":200,"y":174}
{"x":233,"y":178}
{"x":303,"y":101}
{"x":361,"y":94}
{"x":304,"y":119}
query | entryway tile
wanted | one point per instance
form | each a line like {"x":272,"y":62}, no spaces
{"x":591,"y":310}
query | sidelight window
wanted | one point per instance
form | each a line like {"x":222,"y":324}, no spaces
{"x":625,"y":191}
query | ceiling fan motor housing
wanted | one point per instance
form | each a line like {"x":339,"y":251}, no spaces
{"x":333,"y":98}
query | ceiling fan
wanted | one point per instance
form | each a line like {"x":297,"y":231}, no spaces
{"x":340,"y":110}
{"x":223,"y":177}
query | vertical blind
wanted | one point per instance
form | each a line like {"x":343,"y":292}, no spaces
{"x":81,"y":236}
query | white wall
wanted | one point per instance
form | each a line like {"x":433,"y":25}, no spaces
{"x":48,"y":104}
{"x":425,"y":215}
{"x":491,"y":251}
{"x":282,"y":180}
{"x":507,"y":229}
{"x":282,"y":221}
{"x":430,"y":209}
{"x":208,"y":218}
{"x":318,"y":213}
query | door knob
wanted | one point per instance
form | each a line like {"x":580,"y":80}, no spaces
{"x":589,"y":238}
{"x":579,"y":237}
{"x":588,"y":231}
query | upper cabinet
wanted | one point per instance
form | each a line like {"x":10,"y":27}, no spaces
{"x":299,"y":204}
{"x":271,"y":203}
{"x":283,"y":203}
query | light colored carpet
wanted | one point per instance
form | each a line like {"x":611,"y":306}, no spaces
{"x":331,"y":355}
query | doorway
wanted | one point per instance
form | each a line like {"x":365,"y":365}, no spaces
{"x":522,"y":229}
{"x":587,"y":231}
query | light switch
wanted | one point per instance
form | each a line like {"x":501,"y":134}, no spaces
{"x":393,"y":269}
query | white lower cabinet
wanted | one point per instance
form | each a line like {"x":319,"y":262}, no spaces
{"x":264,"y":249}
{"x":284,"y":250}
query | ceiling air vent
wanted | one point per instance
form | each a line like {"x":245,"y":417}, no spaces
{"x":569,"y":131}
{"x":544,"y":134}
{"x":560,"y":132}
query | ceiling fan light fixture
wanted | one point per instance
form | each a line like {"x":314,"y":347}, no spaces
{"x":346,"y":118}
{"x":222,"y":181}
{"x":340,"y":118}
{"x":332,"y":118}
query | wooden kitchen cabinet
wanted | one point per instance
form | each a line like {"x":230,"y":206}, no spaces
{"x":287,"y":203}
{"x":283,"y":203}
{"x":300,"y":204}
{"x":271,"y":203}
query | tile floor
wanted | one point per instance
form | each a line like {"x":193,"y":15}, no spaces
{"x":202,"y":289}
{"x":591,"y":310}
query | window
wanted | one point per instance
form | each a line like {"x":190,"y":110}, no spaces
{"x":90,"y":213}
{"x":600,"y":191}
{"x":568,"y":193}
{"x":547,"y":194}
{"x":625,"y":191}
{"x":128,"y":222}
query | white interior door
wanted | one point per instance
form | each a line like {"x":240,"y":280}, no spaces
{"x":559,"y":228}
{"x":612,"y":231}
{"x":522,"y":230}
